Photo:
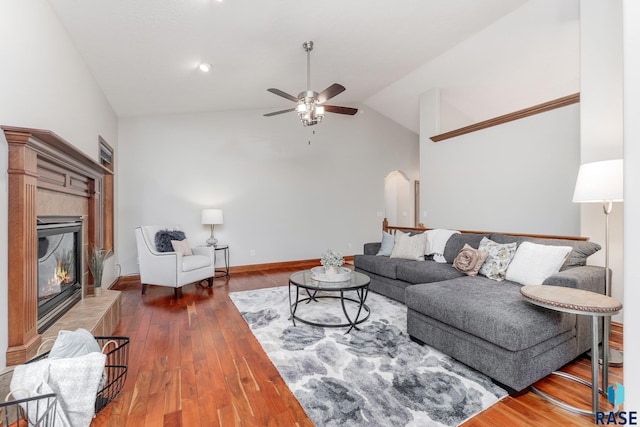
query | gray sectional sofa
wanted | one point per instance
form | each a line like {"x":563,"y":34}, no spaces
{"x":483,"y":323}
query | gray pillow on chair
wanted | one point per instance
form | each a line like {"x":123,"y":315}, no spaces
{"x":163,"y":239}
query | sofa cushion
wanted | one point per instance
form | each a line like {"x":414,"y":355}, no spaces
{"x":380,"y":265}
{"x":426,"y":272}
{"x":457,"y":242}
{"x":578,"y":256}
{"x":193,"y":262}
{"x":493,"y":311}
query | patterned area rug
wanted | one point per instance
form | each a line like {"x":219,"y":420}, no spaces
{"x":375,"y":376}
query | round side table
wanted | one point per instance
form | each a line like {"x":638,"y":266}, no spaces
{"x":586,"y":303}
{"x":218,"y":271}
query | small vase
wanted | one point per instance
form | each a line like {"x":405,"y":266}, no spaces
{"x":97,"y":292}
{"x":331,"y":269}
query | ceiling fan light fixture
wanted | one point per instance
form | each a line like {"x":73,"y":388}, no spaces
{"x":310,"y":114}
{"x":309,"y":103}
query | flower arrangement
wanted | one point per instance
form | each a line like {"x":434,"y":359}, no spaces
{"x":96,"y":264}
{"x":331,"y":258}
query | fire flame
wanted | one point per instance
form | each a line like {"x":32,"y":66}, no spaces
{"x":60,"y":276}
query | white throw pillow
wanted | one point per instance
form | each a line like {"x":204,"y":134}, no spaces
{"x":182,"y":247}
{"x":409,"y":247}
{"x":533,"y":263}
{"x":387,"y":244}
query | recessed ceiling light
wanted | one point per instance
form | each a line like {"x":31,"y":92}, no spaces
{"x":204,"y":67}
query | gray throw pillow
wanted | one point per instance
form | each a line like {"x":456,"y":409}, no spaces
{"x":387,"y":244}
{"x":163,"y":239}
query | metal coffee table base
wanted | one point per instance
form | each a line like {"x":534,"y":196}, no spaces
{"x":313,"y":296}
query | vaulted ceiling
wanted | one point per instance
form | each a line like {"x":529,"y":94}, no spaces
{"x":145,"y":53}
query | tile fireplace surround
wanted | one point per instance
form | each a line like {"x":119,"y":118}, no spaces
{"x":47,"y":177}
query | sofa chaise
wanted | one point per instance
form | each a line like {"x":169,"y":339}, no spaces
{"x":484,"y":323}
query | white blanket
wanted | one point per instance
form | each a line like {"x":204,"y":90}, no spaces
{"x":436,"y":241}
{"x":74,"y":381}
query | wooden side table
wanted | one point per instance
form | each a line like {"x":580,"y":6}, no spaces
{"x":586,"y":303}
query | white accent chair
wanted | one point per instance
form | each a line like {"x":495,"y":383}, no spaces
{"x":170,"y":268}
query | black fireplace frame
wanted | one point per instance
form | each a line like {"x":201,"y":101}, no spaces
{"x":57,"y":306}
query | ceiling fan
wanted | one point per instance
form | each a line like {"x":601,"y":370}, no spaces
{"x":311,"y":105}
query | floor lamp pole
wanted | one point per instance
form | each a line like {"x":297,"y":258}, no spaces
{"x":614,"y":358}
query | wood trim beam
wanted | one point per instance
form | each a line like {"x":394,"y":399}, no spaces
{"x":520,"y":114}
{"x":391,"y":228}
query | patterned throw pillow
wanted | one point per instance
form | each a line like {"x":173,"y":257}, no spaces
{"x":408,"y":246}
{"x":469,"y":260}
{"x":497,"y":262}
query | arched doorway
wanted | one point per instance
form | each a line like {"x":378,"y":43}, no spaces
{"x":398,"y":199}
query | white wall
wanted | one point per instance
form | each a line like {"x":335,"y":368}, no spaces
{"x":43,"y":84}
{"x":287,"y":193}
{"x":516,"y":177}
{"x":631,"y":17}
{"x":601,"y":122}
{"x":527,"y":57}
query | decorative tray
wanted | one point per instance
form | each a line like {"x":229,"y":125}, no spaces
{"x":318,"y":273}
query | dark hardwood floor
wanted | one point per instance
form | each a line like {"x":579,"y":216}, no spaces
{"x":194,"y":362}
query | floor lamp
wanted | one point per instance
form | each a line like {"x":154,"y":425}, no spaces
{"x":601,"y":182}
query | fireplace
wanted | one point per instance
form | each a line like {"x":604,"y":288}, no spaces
{"x":47,"y":178}
{"x":59,"y":267}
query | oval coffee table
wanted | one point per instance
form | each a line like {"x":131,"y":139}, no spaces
{"x":314,"y":290}
{"x":578,"y":301}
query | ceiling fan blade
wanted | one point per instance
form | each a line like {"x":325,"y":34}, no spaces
{"x":340,"y":110}
{"x":330,"y":92}
{"x":283,"y":94}
{"x":275,"y":113}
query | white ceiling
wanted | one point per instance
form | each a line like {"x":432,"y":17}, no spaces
{"x":144,"y":53}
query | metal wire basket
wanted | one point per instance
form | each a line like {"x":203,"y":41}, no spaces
{"x":37,"y":411}
{"x":116,"y":366}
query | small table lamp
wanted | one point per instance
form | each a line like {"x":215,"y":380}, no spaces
{"x":212,"y":217}
{"x":602,"y":182}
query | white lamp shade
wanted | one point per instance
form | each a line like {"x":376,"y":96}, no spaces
{"x":212,"y":216}
{"x":599,"y":182}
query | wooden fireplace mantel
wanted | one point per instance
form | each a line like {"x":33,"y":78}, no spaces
{"x":40,"y":160}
